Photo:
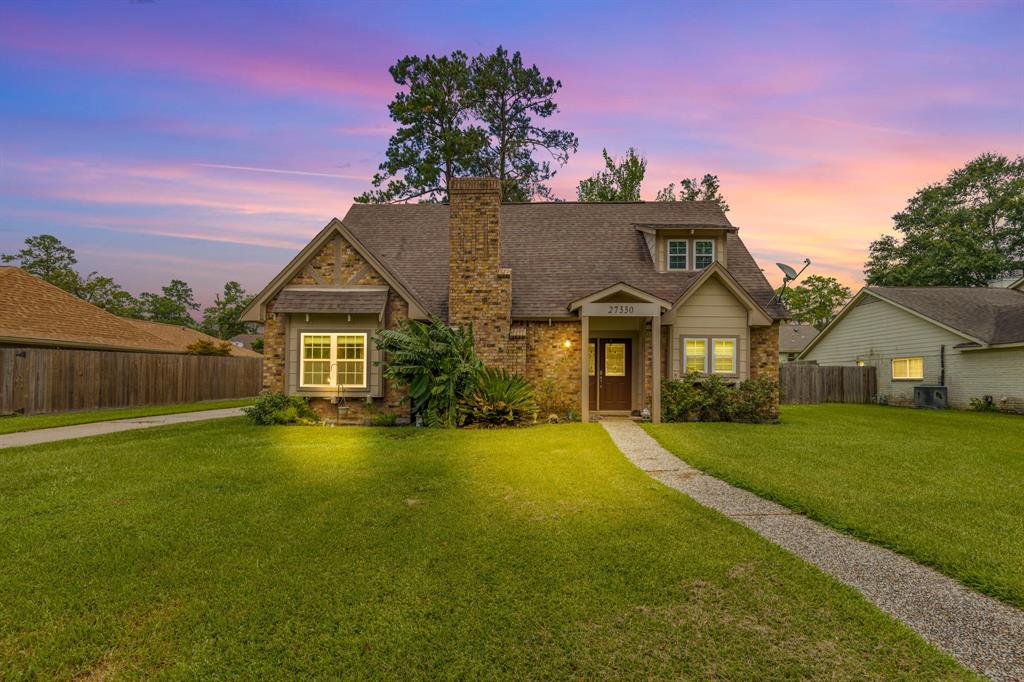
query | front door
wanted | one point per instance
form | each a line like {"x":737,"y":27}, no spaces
{"x":611,"y":385}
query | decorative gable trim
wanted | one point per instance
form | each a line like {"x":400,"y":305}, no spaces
{"x":256,"y":311}
{"x":757,"y":316}
{"x":619,"y":288}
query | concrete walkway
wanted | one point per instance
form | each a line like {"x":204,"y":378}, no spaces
{"x":982,"y":633}
{"x":12,"y":440}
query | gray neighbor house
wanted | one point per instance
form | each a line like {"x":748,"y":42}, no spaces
{"x":970,"y":340}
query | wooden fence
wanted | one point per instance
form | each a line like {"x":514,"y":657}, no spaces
{"x":35,"y":380}
{"x":808,"y":383}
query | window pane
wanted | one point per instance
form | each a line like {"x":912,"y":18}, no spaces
{"x":316,"y":372}
{"x":725,"y":355}
{"x":704,"y":253}
{"x":676,"y":254}
{"x":591,"y":360}
{"x":677,"y":262}
{"x":908,"y":368}
{"x":696,"y":353}
{"x":351,"y":351}
{"x":316,"y":347}
{"x":677,"y":247}
{"x":615,"y":359}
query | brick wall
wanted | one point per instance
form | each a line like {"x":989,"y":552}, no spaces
{"x":764,"y":352}
{"x":544,"y":356}
{"x":479,"y":289}
{"x":273,"y":351}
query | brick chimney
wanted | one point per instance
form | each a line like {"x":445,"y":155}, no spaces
{"x":479,"y":289}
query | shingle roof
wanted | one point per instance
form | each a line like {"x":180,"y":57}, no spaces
{"x":992,"y":315}
{"x":558,"y":252}
{"x":33,"y":311}
{"x":182,"y":337}
{"x":794,"y":337}
{"x":330,"y":301}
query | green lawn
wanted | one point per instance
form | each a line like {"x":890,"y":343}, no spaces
{"x":223,"y":550}
{"x":15,"y":423}
{"x":945,"y":488}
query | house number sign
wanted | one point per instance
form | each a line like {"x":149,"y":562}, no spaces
{"x":620,"y":309}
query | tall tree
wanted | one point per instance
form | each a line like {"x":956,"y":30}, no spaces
{"x":224,"y":318}
{"x":691,"y":189}
{"x":434,"y":141}
{"x":965,"y":231}
{"x":816,"y":300}
{"x":459,"y":118}
{"x":508,"y":98}
{"x":47,"y":258}
{"x":174,"y":305}
{"x":619,"y":181}
{"x":103,"y":292}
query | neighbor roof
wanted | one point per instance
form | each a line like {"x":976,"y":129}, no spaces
{"x":181,"y":337}
{"x":794,"y":337}
{"x":990,"y":315}
{"x":558,"y":252}
{"x":33,"y":312}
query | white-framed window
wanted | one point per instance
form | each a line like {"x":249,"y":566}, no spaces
{"x":332,"y":360}
{"x":677,"y":254}
{"x":724,"y":356}
{"x":695,"y":355}
{"x":703,"y":253}
{"x":908,"y":368}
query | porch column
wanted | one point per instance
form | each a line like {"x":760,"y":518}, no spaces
{"x":584,"y":367}
{"x":656,"y":368}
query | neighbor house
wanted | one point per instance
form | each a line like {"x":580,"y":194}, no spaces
{"x":36,"y":314}
{"x":603,"y":300}
{"x":970,"y":340}
{"x":793,"y":338}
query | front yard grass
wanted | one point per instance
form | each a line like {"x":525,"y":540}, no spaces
{"x":944,"y":488}
{"x":16,"y":423}
{"x":219,"y":550}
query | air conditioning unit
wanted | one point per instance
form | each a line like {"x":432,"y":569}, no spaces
{"x":931,"y":396}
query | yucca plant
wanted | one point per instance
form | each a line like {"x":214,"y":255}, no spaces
{"x":501,"y":399}
{"x":437,"y":364}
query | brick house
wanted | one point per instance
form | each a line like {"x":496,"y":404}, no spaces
{"x":539,"y":282}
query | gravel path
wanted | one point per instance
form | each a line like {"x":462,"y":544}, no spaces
{"x":982,"y":633}
{"x":20,"y":438}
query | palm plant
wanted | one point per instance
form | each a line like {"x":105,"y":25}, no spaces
{"x":501,"y":399}
{"x":437,"y":364}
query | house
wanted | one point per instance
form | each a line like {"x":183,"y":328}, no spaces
{"x":561,"y":292}
{"x":793,"y":338}
{"x":968,"y":339}
{"x":34,"y":313}
{"x":245,"y":340}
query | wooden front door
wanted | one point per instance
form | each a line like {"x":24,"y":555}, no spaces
{"x":611,"y":380}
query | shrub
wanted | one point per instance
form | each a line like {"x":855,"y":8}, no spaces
{"x":384,"y":419}
{"x":984,"y":404}
{"x":552,"y":404}
{"x":501,"y":399}
{"x":437,"y":364}
{"x":278,"y":408}
{"x":697,"y":397}
{"x":207,"y":347}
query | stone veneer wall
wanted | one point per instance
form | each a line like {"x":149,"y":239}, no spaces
{"x":479,"y":289}
{"x":764,"y":354}
{"x":546,"y":357}
{"x":273,"y":351}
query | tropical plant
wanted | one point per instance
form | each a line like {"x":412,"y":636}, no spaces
{"x":501,"y":398}
{"x":278,"y":408}
{"x":436,"y":363}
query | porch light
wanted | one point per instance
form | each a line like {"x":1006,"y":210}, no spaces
{"x":567,"y":343}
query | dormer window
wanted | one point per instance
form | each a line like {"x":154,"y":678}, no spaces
{"x":677,"y":252}
{"x":703,"y":253}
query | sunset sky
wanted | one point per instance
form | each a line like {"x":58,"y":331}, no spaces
{"x":209,"y":141}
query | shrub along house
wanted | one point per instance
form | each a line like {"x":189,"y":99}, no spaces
{"x":648,"y":290}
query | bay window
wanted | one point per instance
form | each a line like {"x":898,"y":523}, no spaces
{"x":333,"y":360}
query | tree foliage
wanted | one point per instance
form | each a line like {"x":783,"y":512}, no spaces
{"x":224,"y":318}
{"x":619,"y":181}
{"x":707,"y":188}
{"x":437,"y":363}
{"x":459,"y":117}
{"x":173,"y":305}
{"x":207,"y":347}
{"x":965,"y":231}
{"x":816,"y":300}
{"x":48,"y":259}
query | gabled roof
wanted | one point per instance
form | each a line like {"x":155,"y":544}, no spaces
{"x":33,"y":312}
{"x":181,"y":337}
{"x":558,"y":252}
{"x":757,"y":314}
{"x":794,"y":337}
{"x":983,"y":316}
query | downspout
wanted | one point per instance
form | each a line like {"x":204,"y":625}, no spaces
{"x":942,"y":365}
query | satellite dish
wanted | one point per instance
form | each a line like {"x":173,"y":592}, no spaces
{"x":789,"y":272}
